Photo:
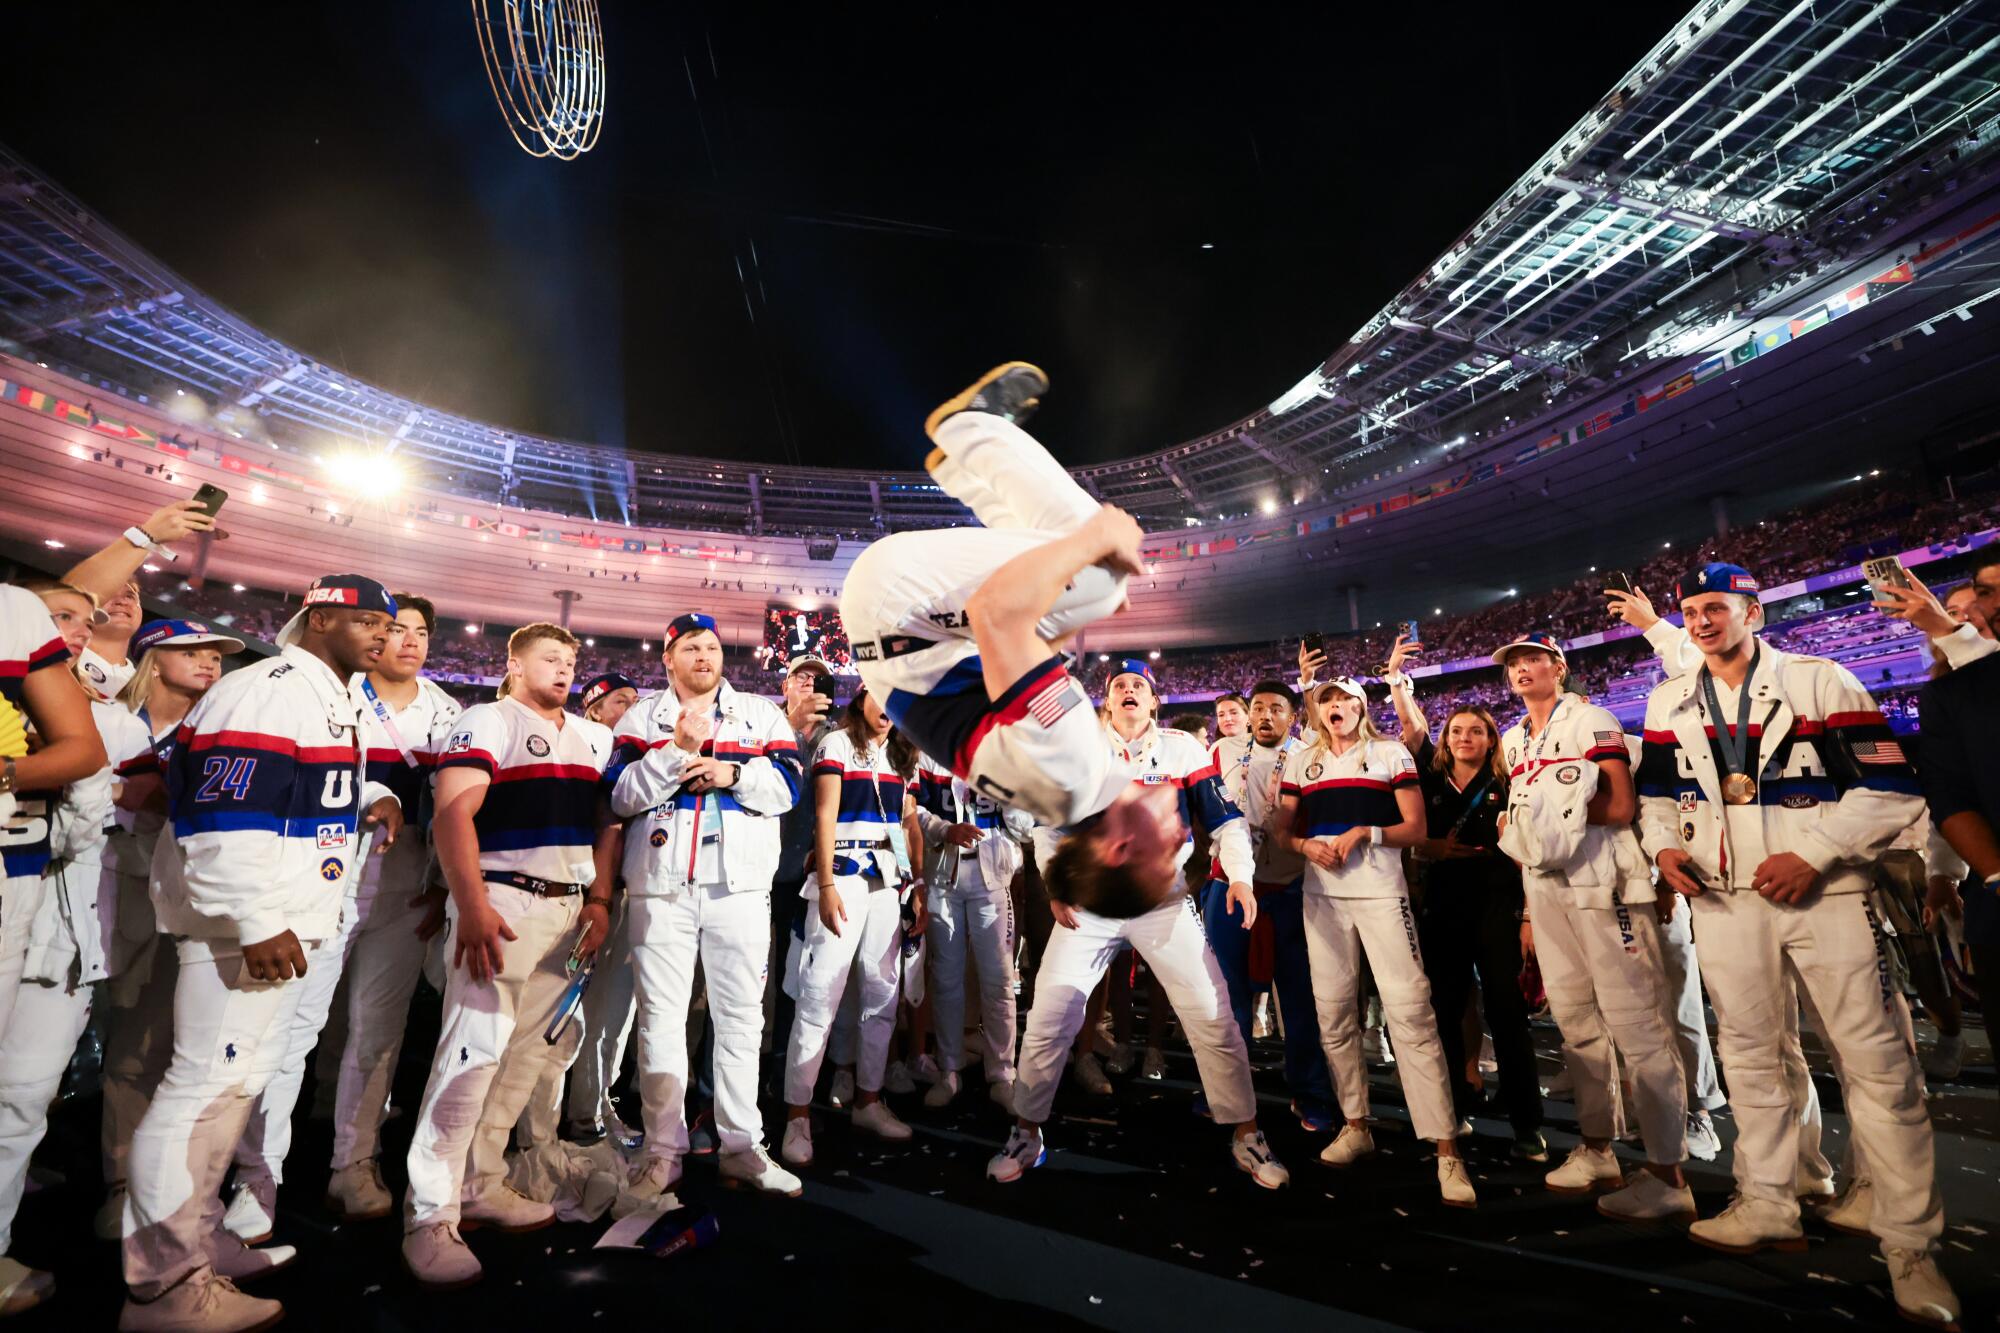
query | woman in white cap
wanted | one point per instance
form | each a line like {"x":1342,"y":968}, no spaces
{"x":1348,"y":803}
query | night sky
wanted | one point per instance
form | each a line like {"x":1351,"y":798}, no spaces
{"x":800,"y":230}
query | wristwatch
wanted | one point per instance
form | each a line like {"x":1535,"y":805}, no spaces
{"x":142,"y":539}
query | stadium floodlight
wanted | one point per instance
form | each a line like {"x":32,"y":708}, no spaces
{"x":545,"y":63}
{"x":368,"y":475}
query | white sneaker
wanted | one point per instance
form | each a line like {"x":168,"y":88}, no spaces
{"x":943,"y":1089}
{"x":1455,"y":1183}
{"x":1120,"y":1062}
{"x":1089,"y":1076}
{"x":840,"y":1094}
{"x":505,"y":1208}
{"x":253,"y":1211}
{"x":896,"y":1078}
{"x":1154,"y":1066}
{"x":797,"y":1146}
{"x":656,"y":1175}
{"x":238,"y":1262}
{"x":1945,"y":1058}
{"x":1260,"y":1021}
{"x":926,"y":1070}
{"x":876,"y":1118}
{"x":109,"y":1224}
{"x":438,"y":1257}
{"x":1001,"y":1090}
{"x":356,"y":1193}
{"x":753,"y":1169}
{"x":1702,"y":1140}
{"x":1647,"y":1198}
{"x":1852,"y":1211}
{"x":204,"y":1303}
{"x":1922,"y":1294}
{"x":1255,"y":1159}
{"x":1749,"y":1225}
{"x":1585,"y":1171}
{"x":1022,"y":1153}
{"x":1353,"y":1143}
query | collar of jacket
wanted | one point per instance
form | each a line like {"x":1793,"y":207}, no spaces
{"x":669,"y":706}
{"x":1690,"y":721}
{"x":1136,"y":750}
{"x":343,"y":708}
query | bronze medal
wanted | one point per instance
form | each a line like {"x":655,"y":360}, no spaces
{"x":1739,"y":789}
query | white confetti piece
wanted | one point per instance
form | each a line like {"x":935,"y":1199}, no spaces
{"x":790,"y":1257}
{"x":1400,"y":1213}
{"x":1969,"y":1229}
{"x":1562,"y":1233}
{"x":1097,"y":1300}
{"x":1827,"y":1277}
{"x":370,"y":1291}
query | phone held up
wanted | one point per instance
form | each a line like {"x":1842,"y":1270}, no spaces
{"x":1621,"y":581}
{"x":1885,"y":572}
{"x":1314,"y":643}
{"x":210,"y":498}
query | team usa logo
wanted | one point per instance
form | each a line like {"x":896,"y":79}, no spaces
{"x":92,"y":670}
{"x":329,"y":869}
{"x":1313,"y":770}
{"x":1569,"y":775}
{"x":538,"y":747}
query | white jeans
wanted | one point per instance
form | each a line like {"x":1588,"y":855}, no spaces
{"x":20,"y":898}
{"x":267,"y":1138}
{"x":1607,"y":990}
{"x":1753,"y":951}
{"x":609,"y":1008}
{"x":1704,"y":1088}
{"x":1169,"y":938}
{"x":230,"y":1037}
{"x":731,"y":934}
{"x":137,"y":1010}
{"x":981,"y":921}
{"x":384,"y":960}
{"x":1339,"y":933}
{"x":869,"y":945}
{"x":35,"y":1048}
{"x":490,"y":1055}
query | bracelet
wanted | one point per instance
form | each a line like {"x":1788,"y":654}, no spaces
{"x":1375,"y":835}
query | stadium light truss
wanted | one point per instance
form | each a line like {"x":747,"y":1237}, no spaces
{"x":544,"y":60}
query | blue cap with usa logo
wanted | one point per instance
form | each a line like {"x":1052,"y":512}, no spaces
{"x":182,"y":634}
{"x":1717,"y":577}
{"x":1132,"y":666}
{"x":688,"y":624}
{"x":1537,"y":639}
{"x":598,"y":686}
{"x":355,"y":592}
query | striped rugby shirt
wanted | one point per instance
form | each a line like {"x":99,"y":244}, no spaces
{"x":871,"y":800}
{"x":28,"y":643}
{"x":539,"y":817}
{"x":1356,"y":789}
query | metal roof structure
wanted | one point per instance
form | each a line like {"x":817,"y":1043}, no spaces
{"x":1761,"y":145}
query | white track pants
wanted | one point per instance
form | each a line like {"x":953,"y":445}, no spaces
{"x":1607,"y":989}
{"x":230,"y":1037}
{"x":20,"y":899}
{"x":979,"y":922}
{"x":35,"y":1049}
{"x":384,"y":960}
{"x":1339,"y":933}
{"x":731,"y":935}
{"x":869,"y":944}
{"x":609,"y":1008}
{"x":1752,"y":951}
{"x":1704,"y":1088}
{"x":490,"y":1055}
{"x":138,"y":1016}
{"x":267,"y":1138}
{"x":1169,"y":938}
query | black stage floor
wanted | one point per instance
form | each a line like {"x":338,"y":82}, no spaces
{"x":1137,"y":1221}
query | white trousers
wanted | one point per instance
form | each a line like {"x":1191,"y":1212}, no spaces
{"x":230,"y":1036}
{"x":731,"y":935}
{"x":1753,"y":951}
{"x":980,"y":922}
{"x":1704,"y":1087}
{"x":267,"y":1138}
{"x":490,"y":1055}
{"x":609,"y":1008}
{"x":35,"y":1049}
{"x":384,"y":960}
{"x":1170,"y":939}
{"x":137,"y":1010}
{"x":1339,"y":933}
{"x":20,"y":899}
{"x":868,"y":945}
{"x":1607,"y":988}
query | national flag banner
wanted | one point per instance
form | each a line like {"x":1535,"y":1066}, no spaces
{"x":450,"y":520}
{"x":230,"y":463}
{"x":510,"y":529}
{"x":1879,"y":752}
{"x":1777,"y":337}
{"x":64,"y":410}
{"x":1679,"y":385}
{"x":1744,"y":352}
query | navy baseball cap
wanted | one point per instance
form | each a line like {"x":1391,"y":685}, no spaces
{"x":598,"y":686}
{"x":182,"y":634}
{"x":688,"y":624}
{"x":1546,"y":642}
{"x":356,"y":592}
{"x":1132,"y":666}
{"x":1717,"y":577}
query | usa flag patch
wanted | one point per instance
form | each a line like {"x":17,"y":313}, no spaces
{"x":1879,"y":752}
{"x":1054,"y":699}
{"x":1611,"y":738}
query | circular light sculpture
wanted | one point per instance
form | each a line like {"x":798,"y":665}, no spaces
{"x":545,"y":62}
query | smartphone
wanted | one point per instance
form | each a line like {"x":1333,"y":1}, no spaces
{"x":824,"y":689}
{"x":1621,"y":581}
{"x":1412,"y":636}
{"x":1885,"y":572}
{"x":210,"y":498}
{"x":1314,"y":643}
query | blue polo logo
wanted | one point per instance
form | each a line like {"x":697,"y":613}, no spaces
{"x":464,"y":1054}
{"x":329,"y":869}
{"x":229,"y":1051}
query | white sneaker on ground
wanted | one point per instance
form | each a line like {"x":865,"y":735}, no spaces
{"x":1022,"y":1153}
{"x":505,"y":1208}
{"x":1455,"y":1183}
{"x":656,"y":1175}
{"x":926,"y":1070}
{"x":1852,"y":1211}
{"x":1001,"y":1090}
{"x":356,"y":1193}
{"x":253,"y":1210}
{"x":1585,"y":1171}
{"x":438,"y":1257}
{"x":797,"y":1145}
{"x":840,"y":1093}
{"x":1154,"y":1066}
{"x":1922,"y":1294}
{"x":1353,"y":1143}
{"x":753,"y":1169}
{"x":109,"y":1224}
{"x":1089,"y":1076}
{"x":1120,"y":1061}
{"x":1647,"y":1198}
{"x":1749,"y":1225}
{"x":1260,"y":1022}
{"x":876,"y":1118}
{"x":1946,"y":1058}
{"x":1255,"y":1159}
{"x":203,"y":1303}
{"x":943,"y":1089}
{"x":238,"y":1262}
{"x":1702,"y":1140}
{"x":896,"y":1078}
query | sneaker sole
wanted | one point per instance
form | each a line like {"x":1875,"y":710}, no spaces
{"x":1681,"y":1220}
{"x":1924,"y":1321}
{"x":1456,"y":1203}
{"x":479,"y":1224}
{"x":254,"y":1241}
{"x":1788,"y":1245}
{"x":733,"y":1183}
{"x":957,"y":403}
{"x":1350,"y":1162}
{"x":263,"y":1272}
{"x":1260,"y":1183}
{"x":1584,"y":1191}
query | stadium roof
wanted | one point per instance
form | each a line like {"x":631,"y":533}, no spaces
{"x":1758,"y":147}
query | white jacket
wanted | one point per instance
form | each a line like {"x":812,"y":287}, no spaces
{"x":1833,"y":785}
{"x":663,"y":822}
{"x":265,"y":788}
{"x":77,"y":923}
{"x":944,"y":800}
{"x":1551,"y":779}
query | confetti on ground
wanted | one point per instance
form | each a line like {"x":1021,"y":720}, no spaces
{"x":1827,"y":1277}
{"x":1097,"y":1300}
{"x":370,"y":1291}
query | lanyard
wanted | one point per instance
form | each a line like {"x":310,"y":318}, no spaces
{"x":1735,"y":745}
{"x":1534,"y":756}
{"x":1472,"y":801}
{"x":388,"y":721}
